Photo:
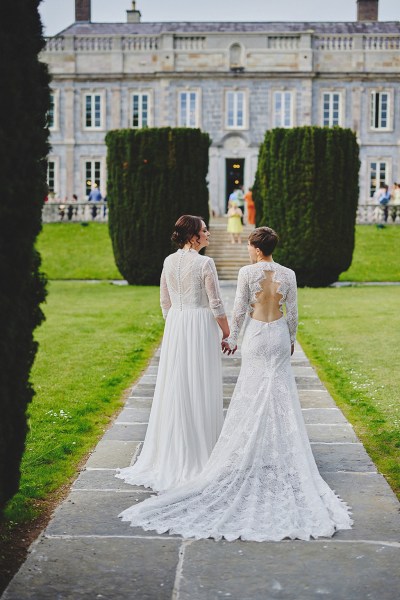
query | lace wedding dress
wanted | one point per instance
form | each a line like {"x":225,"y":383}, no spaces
{"x":187,"y":409}
{"x":261,"y":482}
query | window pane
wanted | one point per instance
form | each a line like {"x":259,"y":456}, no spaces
{"x":97,"y":111}
{"x":51,"y":176}
{"x":135,"y":111}
{"x":88,"y":111}
{"x":50,"y":115}
{"x":88,"y":175}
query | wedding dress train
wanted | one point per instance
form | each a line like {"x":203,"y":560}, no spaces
{"x":261,"y":482}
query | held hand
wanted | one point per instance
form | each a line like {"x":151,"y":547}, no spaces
{"x":291,"y":349}
{"x":226,"y":348}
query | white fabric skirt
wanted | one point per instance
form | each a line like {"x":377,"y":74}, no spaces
{"x":261,"y":482}
{"x":187,"y":411}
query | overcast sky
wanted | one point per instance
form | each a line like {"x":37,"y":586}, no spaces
{"x":58,"y":14}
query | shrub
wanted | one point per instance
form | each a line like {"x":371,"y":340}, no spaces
{"x":306,"y":189}
{"x":154,"y":176}
{"x":23,"y":148}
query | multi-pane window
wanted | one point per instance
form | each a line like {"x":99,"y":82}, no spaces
{"x":93,"y":111}
{"x":92,"y":175}
{"x":235,"y":110}
{"x":188,"y":109}
{"x":330,"y":109}
{"x":380,"y":118}
{"x":140,"y":110}
{"x":51,"y":176}
{"x":378,"y":174}
{"x":52,"y":114}
{"x":283,"y":109}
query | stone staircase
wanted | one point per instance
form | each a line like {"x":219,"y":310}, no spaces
{"x":229,"y":258}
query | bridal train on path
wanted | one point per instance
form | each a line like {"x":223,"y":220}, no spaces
{"x":261,"y":482}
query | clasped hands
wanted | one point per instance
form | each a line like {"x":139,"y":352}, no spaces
{"x":226,"y":349}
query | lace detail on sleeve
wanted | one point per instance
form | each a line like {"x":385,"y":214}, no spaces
{"x":240,"y":308}
{"x":165,"y":300}
{"x":291,"y":308}
{"x":212,"y":289}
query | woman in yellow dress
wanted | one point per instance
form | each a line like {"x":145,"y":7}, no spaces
{"x":235,"y":226}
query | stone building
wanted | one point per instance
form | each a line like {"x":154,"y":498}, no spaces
{"x":233,"y":80}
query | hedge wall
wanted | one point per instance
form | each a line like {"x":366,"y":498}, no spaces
{"x":24,"y":102}
{"x":306,"y":188}
{"x":154,"y":176}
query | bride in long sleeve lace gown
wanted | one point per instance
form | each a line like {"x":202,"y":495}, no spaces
{"x":187,"y":409}
{"x":261,"y":481}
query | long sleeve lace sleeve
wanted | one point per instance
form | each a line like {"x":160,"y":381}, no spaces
{"x":291,"y":308}
{"x":212,"y":289}
{"x":165,"y":299}
{"x":240,"y":307}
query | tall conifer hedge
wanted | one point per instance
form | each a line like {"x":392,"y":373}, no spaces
{"x":24,"y":102}
{"x":306,"y":188}
{"x":154,"y":176}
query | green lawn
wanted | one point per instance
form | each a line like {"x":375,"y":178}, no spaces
{"x":95,"y":341}
{"x":75,"y":251}
{"x":352,"y":336}
{"x":376,"y":256}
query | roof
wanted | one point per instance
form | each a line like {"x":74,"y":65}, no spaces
{"x":198,"y":27}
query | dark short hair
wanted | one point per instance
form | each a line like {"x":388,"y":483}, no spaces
{"x":265,"y":239}
{"x":185,"y":228}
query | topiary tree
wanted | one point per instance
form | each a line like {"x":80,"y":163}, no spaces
{"x":154,"y":176}
{"x":306,"y":188}
{"x":24,"y":103}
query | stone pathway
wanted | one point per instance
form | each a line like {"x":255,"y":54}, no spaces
{"x":86,"y":552}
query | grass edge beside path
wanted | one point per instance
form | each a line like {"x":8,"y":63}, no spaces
{"x":352,"y":346}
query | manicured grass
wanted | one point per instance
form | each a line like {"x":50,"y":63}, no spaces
{"x":95,"y":341}
{"x":352,"y":336}
{"x":376,"y":256}
{"x":75,"y":251}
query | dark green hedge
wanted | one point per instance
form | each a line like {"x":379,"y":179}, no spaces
{"x":306,"y":188}
{"x":24,"y":102}
{"x":154,"y":176}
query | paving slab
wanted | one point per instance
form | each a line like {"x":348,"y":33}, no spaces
{"x":343,"y":433}
{"x":102,"y":480}
{"x":110,"y":454}
{"x":342,"y":457}
{"x":316,"y":399}
{"x":89,"y":569}
{"x":135,"y":432}
{"x":289,"y":570}
{"x":134,"y":415}
{"x":323,"y":415}
{"x":96,"y":513}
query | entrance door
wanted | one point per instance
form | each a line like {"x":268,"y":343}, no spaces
{"x":234,"y":176}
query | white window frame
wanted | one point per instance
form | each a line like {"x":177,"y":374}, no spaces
{"x":56,"y":110}
{"x":379,"y":161}
{"x":55,"y":160}
{"x":93,"y":160}
{"x":331,"y":94}
{"x":279,"y":118}
{"x":244,"y":96}
{"x":373,"y":125}
{"x":185,"y":120}
{"x":141,"y":94}
{"x":93,"y":94}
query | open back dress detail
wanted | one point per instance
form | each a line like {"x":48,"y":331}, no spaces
{"x":261,"y":482}
{"x":187,"y":410}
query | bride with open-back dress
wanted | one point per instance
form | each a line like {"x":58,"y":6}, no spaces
{"x":187,"y":410}
{"x":261,"y":481}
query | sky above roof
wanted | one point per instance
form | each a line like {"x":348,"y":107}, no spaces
{"x":58,"y":14}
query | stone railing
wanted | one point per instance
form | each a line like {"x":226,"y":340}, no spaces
{"x":381,"y":42}
{"x":102,"y":43}
{"x":56,"y":212}
{"x":283,"y":42}
{"x":55,"y":44}
{"x":93,"y":43}
{"x":374,"y":213}
{"x":140,"y":43}
{"x":189,"y":42}
{"x":333,"y":42}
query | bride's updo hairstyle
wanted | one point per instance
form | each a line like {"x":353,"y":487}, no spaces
{"x":185,"y":228}
{"x":265,"y":239}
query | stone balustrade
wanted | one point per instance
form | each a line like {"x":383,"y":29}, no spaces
{"x":374,"y":213}
{"x":333,"y":42}
{"x":56,"y":212}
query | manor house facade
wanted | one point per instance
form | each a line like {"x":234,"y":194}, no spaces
{"x":233,"y":80}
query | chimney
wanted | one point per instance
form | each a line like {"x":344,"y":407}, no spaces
{"x":367,"y":10}
{"x":133,"y":16}
{"x":82,"y":10}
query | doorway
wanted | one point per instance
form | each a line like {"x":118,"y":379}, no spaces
{"x":234,"y":170}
